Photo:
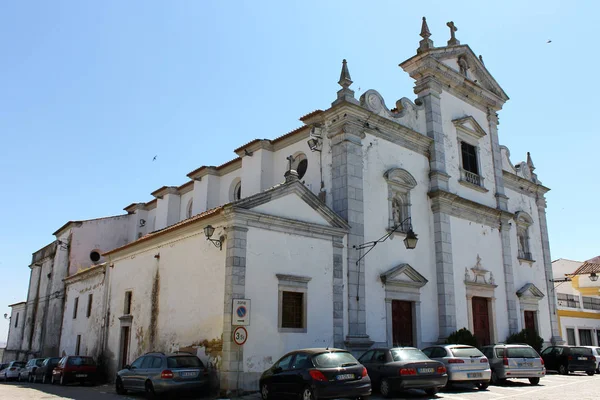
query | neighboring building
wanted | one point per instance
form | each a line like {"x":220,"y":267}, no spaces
{"x":13,"y":349}
{"x":578,"y":297}
{"x":297,"y":250}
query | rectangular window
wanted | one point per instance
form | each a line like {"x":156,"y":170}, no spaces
{"x":571,"y":336}
{"x":89,"y":308}
{"x":75,"y":305}
{"x":17,"y":320}
{"x":585,"y":337}
{"x":127,"y":307}
{"x":77,"y":345}
{"x":469,"y":158}
{"x":591,"y":303}
{"x":567,"y":300}
{"x":292,"y":315}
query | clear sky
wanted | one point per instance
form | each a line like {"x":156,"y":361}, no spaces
{"x":90,"y":92}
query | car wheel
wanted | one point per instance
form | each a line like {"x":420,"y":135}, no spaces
{"x":150,"y":393}
{"x":119,"y":388}
{"x":384,"y":388}
{"x":19,"y":378}
{"x":483,"y":385}
{"x":590,"y":373}
{"x":307,"y":394}
{"x":563,"y":370}
{"x":495,"y":380}
{"x":62,"y":381}
{"x":432,"y":391}
{"x":534,"y":381}
{"x":44,"y":379}
{"x":265,"y":393}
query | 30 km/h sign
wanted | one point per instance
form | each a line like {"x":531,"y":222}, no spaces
{"x":240,"y":335}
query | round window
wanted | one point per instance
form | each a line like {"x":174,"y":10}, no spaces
{"x":301,"y":168}
{"x":95,"y":256}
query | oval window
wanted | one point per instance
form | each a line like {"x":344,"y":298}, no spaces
{"x":95,"y":256}
{"x":301,"y":168}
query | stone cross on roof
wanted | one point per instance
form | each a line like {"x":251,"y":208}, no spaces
{"x":453,"y":41}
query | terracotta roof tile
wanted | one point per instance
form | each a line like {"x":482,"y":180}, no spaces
{"x":310,"y":114}
{"x":587,"y":268}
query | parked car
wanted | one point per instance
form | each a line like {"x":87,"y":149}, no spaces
{"x":43,"y":373}
{"x":75,"y":368}
{"x":2,"y":368}
{"x":514,"y":361}
{"x":565,"y":359}
{"x":157,"y":373}
{"x":401,"y":368}
{"x":464,"y":364}
{"x":11,"y":371}
{"x":596,"y":352}
{"x":317,"y":373}
{"x":26,"y":374}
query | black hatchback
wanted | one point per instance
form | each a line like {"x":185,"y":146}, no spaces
{"x":320,"y":373}
{"x":565,"y":359}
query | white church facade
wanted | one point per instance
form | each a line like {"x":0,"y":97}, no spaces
{"x":291,"y":221}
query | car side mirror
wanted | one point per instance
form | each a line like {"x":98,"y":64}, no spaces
{"x":128,"y":366}
{"x":277,"y":370}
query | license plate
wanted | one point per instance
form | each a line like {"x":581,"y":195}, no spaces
{"x":344,"y":377}
{"x":426,"y":370}
{"x":582,"y":358}
{"x":475,"y":375}
{"x":81,"y":376}
{"x":188,"y":374}
{"x":525,"y":364}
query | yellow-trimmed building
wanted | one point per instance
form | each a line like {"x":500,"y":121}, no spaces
{"x":578,"y":297}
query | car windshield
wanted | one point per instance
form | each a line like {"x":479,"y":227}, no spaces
{"x":18,"y":364}
{"x":466,"y":352}
{"x":521,"y":352}
{"x":53,"y":361}
{"x":581,"y":351}
{"x":81,"y":361}
{"x":184,"y":362}
{"x":39,"y":362}
{"x":409,"y":355}
{"x":334,"y":359}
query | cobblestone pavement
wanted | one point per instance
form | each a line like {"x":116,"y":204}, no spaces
{"x":552,"y":387}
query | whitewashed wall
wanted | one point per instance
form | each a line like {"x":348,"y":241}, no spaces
{"x":90,"y":328}
{"x":189,"y":286}
{"x":270,"y":253}
{"x":580,"y":323}
{"x":15,"y":330}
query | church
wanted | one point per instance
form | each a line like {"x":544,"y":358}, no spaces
{"x":367,"y":225}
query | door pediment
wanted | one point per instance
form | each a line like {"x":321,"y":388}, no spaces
{"x":403,"y":275}
{"x":530,"y":291}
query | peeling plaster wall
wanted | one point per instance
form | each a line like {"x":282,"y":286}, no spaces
{"x":379,"y":157}
{"x":269,"y":253}
{"x":187,"y":282}
{"x":468,"y":240}
{"x":90,"y":328}
{"x":102,"y":234}
{"x":453,"y":108}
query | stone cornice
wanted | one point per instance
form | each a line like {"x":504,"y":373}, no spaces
{"x":160,"y":193}
{"x":376,"y":125}
{"x":459,"y":207}
{"x":522,"y":185}
{"x":85,"y":274}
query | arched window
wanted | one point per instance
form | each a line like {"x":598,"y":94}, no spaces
{"x":190,"y":206}
{"x":235,"y":191}
{"x":300,"y":164}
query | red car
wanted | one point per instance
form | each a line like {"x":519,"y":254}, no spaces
{"x":75,"y":369}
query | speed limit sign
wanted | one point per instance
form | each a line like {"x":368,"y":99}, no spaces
{"x":240,"y":335}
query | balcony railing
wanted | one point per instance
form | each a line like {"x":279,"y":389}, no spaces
{"x":471,"y":177}
{"x":524,"y":255}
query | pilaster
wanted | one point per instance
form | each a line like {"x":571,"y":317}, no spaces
{"x":509,"y":279}
{"x":501,"y":199}
{"x":556,"y":337}
{"x":232,"y":366}
{"x":338,"y":293}
{"x":347,"y":192}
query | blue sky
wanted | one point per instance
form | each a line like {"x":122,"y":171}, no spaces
{"x":92,"y":91}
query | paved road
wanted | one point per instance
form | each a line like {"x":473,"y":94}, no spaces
{"x":552,"y":387}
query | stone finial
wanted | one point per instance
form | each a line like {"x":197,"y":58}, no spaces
{"x":426,"y":43}
{"x":345,"y":93}
{"x":530,"y":162}
{"x":453,"y":41}
{"x":291,"y":176}
{"x":481,"y":59}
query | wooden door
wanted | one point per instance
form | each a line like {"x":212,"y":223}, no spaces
{"x":124,"y":345}
{"x":530,"y":321}
{"x":481,"y":320}
{"x":402,"y":323}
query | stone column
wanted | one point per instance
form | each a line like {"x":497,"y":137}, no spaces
{"x":509,"y":280}
{"x":338,"y":292}
{"x":235,"y":288}
{"x":429,"y":92}
{"x":347,"y":192}
{"x":556,"y":337}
